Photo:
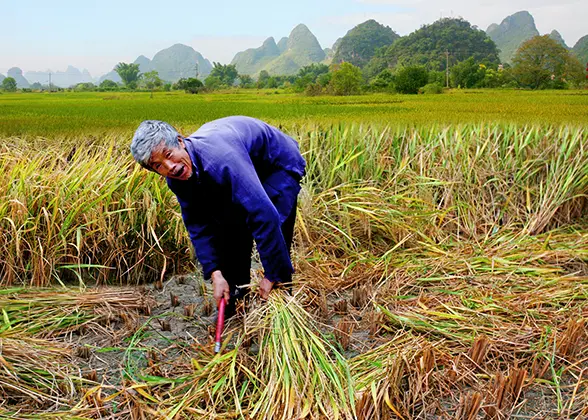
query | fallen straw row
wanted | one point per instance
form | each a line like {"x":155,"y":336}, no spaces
{"x":436,"y":355}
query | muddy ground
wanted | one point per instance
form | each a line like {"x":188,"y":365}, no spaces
{"x":184,"y":314}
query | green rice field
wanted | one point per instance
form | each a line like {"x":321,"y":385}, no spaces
{"x":44,"y":114}
{"x":441,"y":263}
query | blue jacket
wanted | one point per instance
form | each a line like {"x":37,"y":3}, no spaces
{"x":249,"y":171}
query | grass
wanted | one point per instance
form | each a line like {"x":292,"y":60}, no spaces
{"x":97,"y":114}
{"x":442,"y":269}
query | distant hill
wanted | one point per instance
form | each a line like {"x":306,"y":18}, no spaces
{"x":172,"y":64}
{"x":556,"y":36}
{"x":511,"y":33}
{"x":428,"y":45}
{"x":111,"y":75}
{"x":70,"y":77}
{"x":299,"y":49}
{"x":16,"y":74}
{"x":359,"y":45}
{"x":253,"y":60}
{"x":330,"y":52}
{"x":2,"y":77}
{"x":179,"y":61}
{"x":283,"y":44}
{"x":144,"y":63}
{"x":580,"y":50}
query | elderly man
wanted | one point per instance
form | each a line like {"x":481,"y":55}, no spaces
{"x":237,"y":179}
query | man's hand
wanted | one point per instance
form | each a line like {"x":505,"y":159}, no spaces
{"x":265,"y":287}
{"x":220,"y":288}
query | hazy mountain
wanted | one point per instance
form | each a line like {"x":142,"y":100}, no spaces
{"x":580,"y":50}
{"x":288,"y":56}
{"x":111,"y":75}
{"x":251,"y":61}
{"x":86,"y":76}
{"x":38,"y":76}
{"x":283,"y":44}
{"x":511,"y":33}
{"x":16,"y":74}
{"x":172,"y":64}
{"x":70,"y":77}
{"x":144,"y":63}
{"x":180,"y":61}
{"x":556,"y":36}
{"x":2,"y":77}
{"x":330,"y":52}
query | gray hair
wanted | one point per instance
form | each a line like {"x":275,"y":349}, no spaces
{"x":149,"y":135}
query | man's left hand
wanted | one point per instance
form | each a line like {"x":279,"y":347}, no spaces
{"x":265,"y":287}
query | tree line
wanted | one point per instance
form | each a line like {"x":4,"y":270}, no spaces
{"x":539,"y":63}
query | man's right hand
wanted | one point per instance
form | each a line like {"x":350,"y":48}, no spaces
{"x":220,"y":288}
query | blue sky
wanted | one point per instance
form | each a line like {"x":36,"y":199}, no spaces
{"x":40,"y":35}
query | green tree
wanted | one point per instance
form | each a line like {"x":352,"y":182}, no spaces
{"x":411,"y":79}
{"x":129,"y":73}
{"x":542,"y":63}
{"x":308,"y":75}
{"x":108,"y":85}
{"x":152,"y":80}
{"x":324,"y":79}
{"x":9,"y":84}
{"x":428,"y":46}
{"x":262,"y":79}
{"x":213,"y":82}
{"x":346,"y":80}
{"x":383,"y":81}
{"x":84,"y":87}
{"x":245,"y":81}
{"x":227,"y":73}
{"x":468,"y":74}
{"x":272,"y":82}
{"x":189,"y":85}
{"x":313,"y":70}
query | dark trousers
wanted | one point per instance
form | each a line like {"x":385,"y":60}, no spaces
{"x":236,"y":249}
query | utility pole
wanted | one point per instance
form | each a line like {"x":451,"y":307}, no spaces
{"x":49,"y":82}
{"x":446,"y":68}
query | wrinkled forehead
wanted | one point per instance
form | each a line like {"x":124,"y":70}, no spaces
{"x":158,"y":152}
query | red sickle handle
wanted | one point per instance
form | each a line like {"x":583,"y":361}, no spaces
{"x":220,"y":323}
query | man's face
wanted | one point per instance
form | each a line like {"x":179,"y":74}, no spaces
{"x":172,"y":163}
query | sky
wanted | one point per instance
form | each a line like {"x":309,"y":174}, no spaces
{"x":41,"y":35}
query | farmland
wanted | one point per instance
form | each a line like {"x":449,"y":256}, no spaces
{"x":58,"y":114}
{"x":441,"y":254}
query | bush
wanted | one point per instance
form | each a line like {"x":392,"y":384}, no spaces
{"x":383,"y":81}
{"x":411,"y":79}
{"x":346,"y":79}
{"x":313,"y":89}
{"x":431,"y":89}
{"x":189,"y":85}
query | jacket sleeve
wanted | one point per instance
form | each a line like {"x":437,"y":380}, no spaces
{"x":235,"y":171}
{"x":202,"y":234}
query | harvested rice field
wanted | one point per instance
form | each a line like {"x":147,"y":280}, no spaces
{"x":441,"y":273}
